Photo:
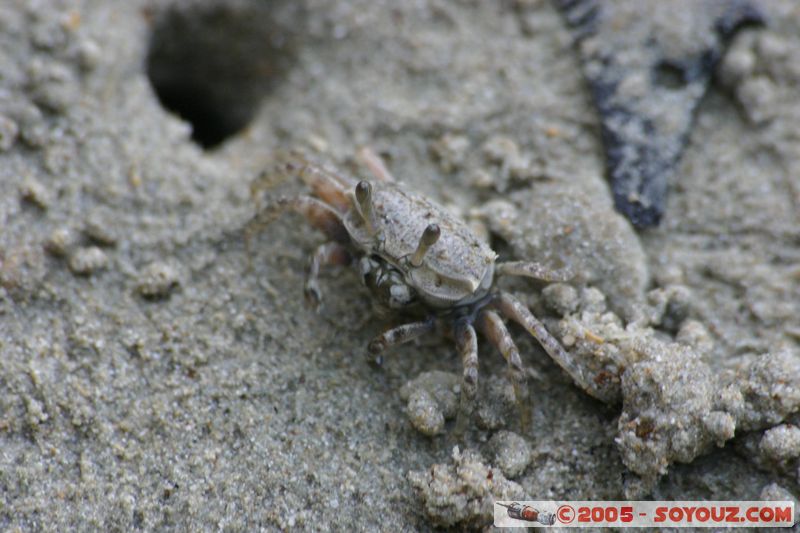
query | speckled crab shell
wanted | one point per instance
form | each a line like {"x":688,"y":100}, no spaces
{"x":458,"y":269}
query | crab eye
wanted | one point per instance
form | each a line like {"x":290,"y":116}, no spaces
{"x":429,"y":237}
{"x":363,"y":192}
{"x":364,"y":201}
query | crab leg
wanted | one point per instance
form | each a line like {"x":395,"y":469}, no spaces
{"x":533,"y":270}
{"x":326,"y":185}
{"x":364,"y":204}
{"x":516,"y":311}
{"x":401,"y":334}
{"x":330,"y":253}
{"x":467,"y":343}
{"x":332,"y":189}
{"x":492,"y":326}
{"x":375,"y":164}
{"x":319,"y":214}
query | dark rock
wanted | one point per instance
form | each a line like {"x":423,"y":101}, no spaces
{"x":648,"y":64}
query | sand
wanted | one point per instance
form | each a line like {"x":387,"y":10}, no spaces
{"x":156,"y":375}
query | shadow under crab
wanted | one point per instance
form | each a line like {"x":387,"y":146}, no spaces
{"x":414,"y":255}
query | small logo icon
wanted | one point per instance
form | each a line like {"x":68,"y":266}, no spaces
{"x":529,"y":514}
{"x":566,"y":514}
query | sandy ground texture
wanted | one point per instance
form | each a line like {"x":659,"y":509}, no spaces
{"x":154,"y":375}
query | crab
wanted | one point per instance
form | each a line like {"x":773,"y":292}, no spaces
{"x":412,"y":254}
